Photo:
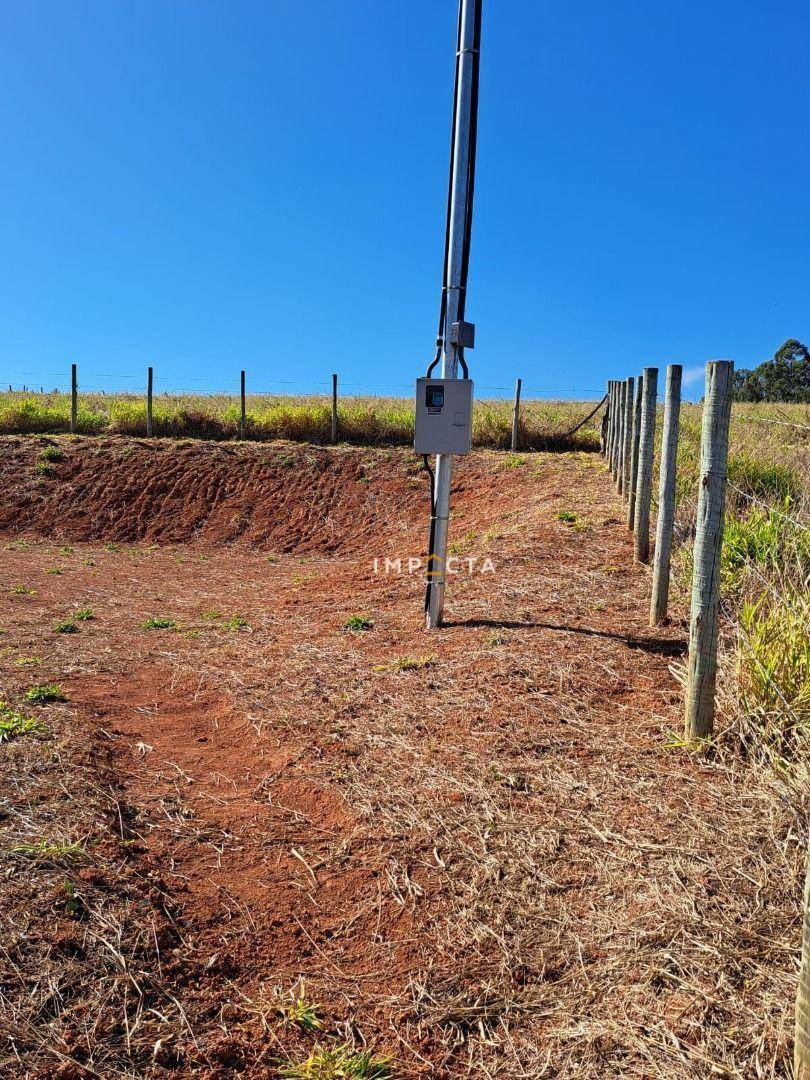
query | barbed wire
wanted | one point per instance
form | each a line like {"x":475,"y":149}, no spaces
{"x":767,"y":506}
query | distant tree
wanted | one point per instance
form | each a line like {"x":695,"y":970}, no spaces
{"x":784,"y":378}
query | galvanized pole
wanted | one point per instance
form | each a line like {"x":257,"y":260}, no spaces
{"x":74,"y":400}
{"x":634,"y":444}
{"x":666,"y":497}
{"x":334,"y":410}
{"x":468,"y":47}
{"x":243,"y":411}
{"x":646,"y":449}
{"x":516,"y":418}
{"x":702,"y":664}
{"x":149,"y":403}
{"x":627,"y":426}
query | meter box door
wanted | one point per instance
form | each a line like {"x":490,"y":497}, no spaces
{"x":443,"y":422}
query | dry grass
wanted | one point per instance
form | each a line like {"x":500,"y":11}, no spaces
{"x":369,"y":421}
{"x":582,"y":896}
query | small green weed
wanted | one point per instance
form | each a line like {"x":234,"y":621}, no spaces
{"x":65,"y":626}
{"x":75,"y":907}
{"x":51,"y":453}
{"x":66,"y":550}
{"x":42,"y":851}
{"x":212,"y":615}
{"x":28,"y":661}
{"x":84,"y":614}
{"x":568,"y":516}
{"x":513,"y":461}
{"x":340,"y":1063}
{"x":46,"y":692}
{"x":413,"y":663}
{"x":296,"y":1009}
{"x":358,"y":622}
{"x":55,"y":570}
{"x":14,"y":723}
{"x":21,"y":590}
{"x":159,"y":624}
{"x":235,"y":622}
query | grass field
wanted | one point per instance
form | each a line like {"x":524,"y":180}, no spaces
{"x":369,"y":421}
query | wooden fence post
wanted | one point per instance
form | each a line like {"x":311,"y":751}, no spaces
{"x":612,"y":421}
{"x":666,"y":496}
{"x":628,"y":436}
{"x":74,"y":400}
{"x":149,"y":403}
{"x":634,"y":445}
{"x":614,"y":457}
{"x":516,"y":417}
{"x":243,"y":413}
{"x":334,"y":409}
{"x":801,"y":1052}
{"x":646,"y":449}
{"x":702,"y":665}
{"x":620,"y":441}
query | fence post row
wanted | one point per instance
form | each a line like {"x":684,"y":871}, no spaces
{"x":516,"y":417}
{"x":242,"y":414}
{"x":74,"y":400}
{"x":610,"y":420}
{"x":666,"y":496}
{"x":334,"y":409}
{"x":644,"y":472}
{"x":628,"y":435}
{"x":149,"y":403}
{"x":702,"y":665}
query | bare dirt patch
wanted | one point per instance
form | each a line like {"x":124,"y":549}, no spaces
{"x":479,"y":849}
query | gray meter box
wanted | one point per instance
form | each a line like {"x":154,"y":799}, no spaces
{"x":443,"y":416}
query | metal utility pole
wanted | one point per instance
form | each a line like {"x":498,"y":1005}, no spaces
{"x":451,"y":336}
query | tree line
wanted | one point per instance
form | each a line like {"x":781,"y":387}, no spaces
{"x":785,"y":377}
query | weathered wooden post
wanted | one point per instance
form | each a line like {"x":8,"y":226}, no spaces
{"x":149,"y":403}
{"x":334,"y":409}
{"x":243,"y":412}
{"x":614,"y":456}
{"x":628,"y":435}
{"x":801,"y":1052}
{"x":702,"y":665}
{"x":74,"y":400}
{"x":634,"y":444}
{"x":646,"y":448}
{"x":620,"y":440}
{"x":666,"y":496}
{"x":516,"y":418}
{"x":612,"y":425}
{"x":603,"y":426}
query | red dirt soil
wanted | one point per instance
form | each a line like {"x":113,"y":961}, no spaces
{"x":437,"y":832}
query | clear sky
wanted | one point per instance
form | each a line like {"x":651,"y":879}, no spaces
{"x":204,"y":186}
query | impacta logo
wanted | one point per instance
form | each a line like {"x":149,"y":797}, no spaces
{"x":415,"y":564}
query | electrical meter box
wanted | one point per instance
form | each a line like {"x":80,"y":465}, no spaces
{"x":443,"y":422}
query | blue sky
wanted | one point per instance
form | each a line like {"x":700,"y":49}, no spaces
{"x":205,"y":186}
